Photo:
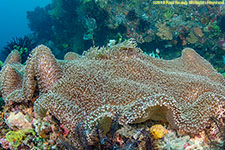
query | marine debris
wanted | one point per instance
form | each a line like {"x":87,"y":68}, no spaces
{"x":114,"y":82}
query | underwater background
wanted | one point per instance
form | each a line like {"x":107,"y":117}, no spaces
{"x":14,"y":22}
{"x":111,"y":74}
{"x":75,"y":25}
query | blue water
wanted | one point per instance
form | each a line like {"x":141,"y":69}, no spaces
{"x":13,"y":21}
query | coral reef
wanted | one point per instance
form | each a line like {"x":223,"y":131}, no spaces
{"x":174,"y":141}
{"x":43,"y":134}
{"x":59,"y":23}
{"x":116,"y":81}
{"x":74,"y":25}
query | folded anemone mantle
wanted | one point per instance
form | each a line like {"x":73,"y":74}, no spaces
{"x":117,"y":81}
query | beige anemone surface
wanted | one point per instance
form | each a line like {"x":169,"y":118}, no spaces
{"x":118,"y":81}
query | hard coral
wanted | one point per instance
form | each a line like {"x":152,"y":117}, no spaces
{"x":121,"y":80}
{"x":164,"y":31}
{"x":198,"y":32}
{"x":192,"y":38}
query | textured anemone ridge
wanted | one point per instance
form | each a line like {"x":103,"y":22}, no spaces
{"x":121,"y":80}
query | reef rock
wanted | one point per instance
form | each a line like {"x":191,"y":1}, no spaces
{"x":18,"y":120}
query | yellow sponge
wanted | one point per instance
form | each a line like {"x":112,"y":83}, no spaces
{"x":14,"y":137}
{"x":158,"y":131}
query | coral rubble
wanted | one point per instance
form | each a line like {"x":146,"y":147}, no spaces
{"x":117,"y":81}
